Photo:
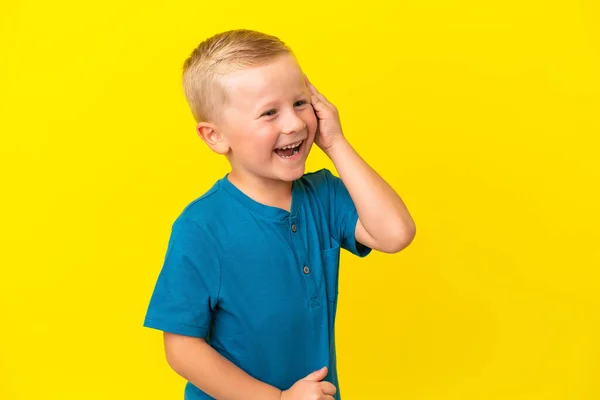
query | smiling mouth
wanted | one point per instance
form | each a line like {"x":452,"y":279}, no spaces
{"x":290,"y":150}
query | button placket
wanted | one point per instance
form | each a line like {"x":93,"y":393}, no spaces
{"x":305,"y":269}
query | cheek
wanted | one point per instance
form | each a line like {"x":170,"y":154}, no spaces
{"x":311,"y":121}
{"x":264,"y":136}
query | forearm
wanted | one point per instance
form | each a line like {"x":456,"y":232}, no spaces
{"x":380,"y":209}
{"x":196,"y":361}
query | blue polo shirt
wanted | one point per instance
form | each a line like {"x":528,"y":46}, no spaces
{"x":258,"y":282}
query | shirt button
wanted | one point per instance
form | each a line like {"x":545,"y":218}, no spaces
{"x":294,"y":228}
{"x":306,"y":270}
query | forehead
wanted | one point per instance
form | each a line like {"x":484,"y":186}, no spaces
{"x":275,"y":80}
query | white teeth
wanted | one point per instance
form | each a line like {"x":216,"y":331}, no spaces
{"x":290,"y":146}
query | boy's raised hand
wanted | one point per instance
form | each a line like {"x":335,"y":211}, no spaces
{"x":329,"y":130}
{"x":311,"y":388}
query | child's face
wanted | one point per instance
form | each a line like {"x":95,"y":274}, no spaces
{"x":268,"y":108}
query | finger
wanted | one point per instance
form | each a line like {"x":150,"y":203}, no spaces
{"x":317,"y":376}
{"x":317,"y":96}
{"x":313,"y":90}
{"x":328,"y":388}
{"x":315,"y":100}
{"x":306,"y":81}
{"x":322,"y":110}
{"x":324,"y":100}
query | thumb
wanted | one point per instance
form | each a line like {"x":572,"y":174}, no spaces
{"x":317,"y":376}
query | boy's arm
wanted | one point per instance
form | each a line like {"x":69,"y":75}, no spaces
{"x":384,"y":223}
{"x":197,"y":362}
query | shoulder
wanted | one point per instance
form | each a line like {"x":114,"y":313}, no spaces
{"x":319,"y":181}
{"x":205,"y":208}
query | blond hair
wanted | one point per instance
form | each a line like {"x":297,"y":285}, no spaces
{"x":221,"y":54}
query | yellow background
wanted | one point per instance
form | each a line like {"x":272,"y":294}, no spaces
{"x":484,"y":115}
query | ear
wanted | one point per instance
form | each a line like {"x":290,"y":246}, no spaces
{"x":212,"y":137}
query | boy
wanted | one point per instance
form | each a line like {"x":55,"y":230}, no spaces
{"x":247,"y":294}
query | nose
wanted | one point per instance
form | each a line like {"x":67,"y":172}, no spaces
{"x":292,"y":123}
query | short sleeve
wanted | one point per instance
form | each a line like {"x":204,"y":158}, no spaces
{"x":186,"y":291}
{"x":345,"y":216}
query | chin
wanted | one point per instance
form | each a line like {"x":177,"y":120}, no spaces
{"x":292,"y":175}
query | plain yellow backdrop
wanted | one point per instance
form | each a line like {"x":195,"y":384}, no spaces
{"x":484,"y":115}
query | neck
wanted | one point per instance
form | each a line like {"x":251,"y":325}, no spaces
{"x":270,"y":192}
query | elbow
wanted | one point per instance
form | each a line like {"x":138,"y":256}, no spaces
{"x":400,"y":240}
